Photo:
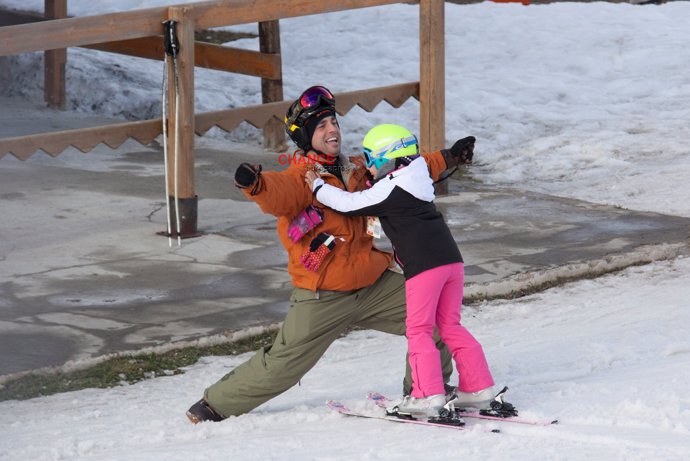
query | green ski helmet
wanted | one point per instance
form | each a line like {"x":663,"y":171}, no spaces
{"x":387,"y":142}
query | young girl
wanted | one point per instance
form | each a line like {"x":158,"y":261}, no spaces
{"x":402,"y":197}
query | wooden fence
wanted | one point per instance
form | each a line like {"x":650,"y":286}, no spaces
{"x":142,"y":36}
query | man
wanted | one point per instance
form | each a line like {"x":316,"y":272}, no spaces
{"x":340,"y":278}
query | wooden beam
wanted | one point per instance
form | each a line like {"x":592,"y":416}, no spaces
{"x":207,"y":55}
{"x":432,"y":75}
{"x":185,"y":89}
{"x":84,"y":139}
{"x":432,"y":88}
{"x":258,"y":116}
{"x":247,"y":62}
{"x":84,"y":30}
{"x":215,"y":14}
{"x":54,"y":61}
{"x":181,"y":128}
{"x":145,"y":131}
{"x":272,"y":88}
{"x":87,"y":30}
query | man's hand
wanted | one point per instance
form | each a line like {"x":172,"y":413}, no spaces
{"x":461,"y":153}
{"x":247,"y":175}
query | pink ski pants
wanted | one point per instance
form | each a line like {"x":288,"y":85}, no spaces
{"x":434,"y":299}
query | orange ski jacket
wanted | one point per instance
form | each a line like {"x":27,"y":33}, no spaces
{"x":354,"y":262}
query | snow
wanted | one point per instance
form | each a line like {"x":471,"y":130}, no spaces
{"x":607,"y":357}
{"x":581,"y":100}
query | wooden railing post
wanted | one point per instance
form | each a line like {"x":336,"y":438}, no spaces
{"x":272,"y":89}
{"x":432,"y":89}
{"x":185,"y":139}
{"x":54,"y":61}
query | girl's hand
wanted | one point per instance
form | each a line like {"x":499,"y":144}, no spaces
{"x":310,"y":177}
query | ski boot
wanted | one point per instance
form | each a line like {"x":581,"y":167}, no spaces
{"x":483,"y":401}
{"x":499,"y":407}
{"x":480,"y":400}
{"x":201,"y":411}
{"x":433,"y":409}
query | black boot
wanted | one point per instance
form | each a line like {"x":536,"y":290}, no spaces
{"x":201,"y":411}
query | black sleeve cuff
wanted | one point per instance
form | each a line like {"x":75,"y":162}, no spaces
{"x":448,"y":157}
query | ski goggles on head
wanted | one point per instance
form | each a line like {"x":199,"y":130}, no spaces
{"x":312,"y":100}
{"x":387,"y":152}
{"x":312,"y":96}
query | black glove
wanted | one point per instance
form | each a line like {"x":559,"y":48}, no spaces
{"x":247,"y":175}
{"x":461,"y":153}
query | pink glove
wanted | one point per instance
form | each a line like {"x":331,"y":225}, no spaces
{"x":304,"y":222}
{"x":317,"y":251}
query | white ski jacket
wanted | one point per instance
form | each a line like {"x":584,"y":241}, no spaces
{"x":403,"y":200}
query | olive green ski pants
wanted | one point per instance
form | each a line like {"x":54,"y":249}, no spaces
{"x":314,"y":321}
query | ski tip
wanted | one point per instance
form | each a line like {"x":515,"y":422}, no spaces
{"x":334,"y":404}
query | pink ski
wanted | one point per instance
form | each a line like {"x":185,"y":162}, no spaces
{"x":342,"y":409}
{"x":382,"y":401}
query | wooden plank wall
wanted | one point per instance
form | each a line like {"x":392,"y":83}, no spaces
{"x":142,"y":37}
{"x":144,"y":27}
